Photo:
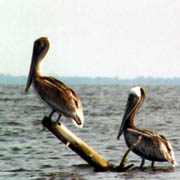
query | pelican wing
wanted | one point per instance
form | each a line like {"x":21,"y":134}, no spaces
{"x":61,"y":86}
{"x":58,"y":96}
{"x":152,"y":145}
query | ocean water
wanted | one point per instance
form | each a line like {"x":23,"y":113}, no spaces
{"x":27,"y":152}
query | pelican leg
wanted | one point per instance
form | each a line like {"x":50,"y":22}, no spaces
{"x":152,"y":164}
{"x":59,"y":117}
{"x":53,"y":111}
{"x":142,"y":163}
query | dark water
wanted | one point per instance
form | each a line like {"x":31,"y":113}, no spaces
{"x":26,"y":152}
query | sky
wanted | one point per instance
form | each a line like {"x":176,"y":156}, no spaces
{"x":90,"y":38}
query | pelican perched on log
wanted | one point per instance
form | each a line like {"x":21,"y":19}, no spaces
{"x":55,"y":94}
{"x":152,"y":147}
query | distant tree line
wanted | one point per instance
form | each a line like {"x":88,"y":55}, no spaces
{"x":20,"y":80}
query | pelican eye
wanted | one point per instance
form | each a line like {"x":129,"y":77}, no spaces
{"x":42,"y":44}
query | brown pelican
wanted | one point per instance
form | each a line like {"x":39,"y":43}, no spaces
{"x":153,"y":147}
{"x":59,"y":97}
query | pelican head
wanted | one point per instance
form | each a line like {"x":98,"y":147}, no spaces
{"x":135,"y":100}
{"x":41,"y":47}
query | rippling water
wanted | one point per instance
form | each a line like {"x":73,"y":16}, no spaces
{"x":27,"y":152}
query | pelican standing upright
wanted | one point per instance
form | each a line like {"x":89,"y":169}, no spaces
{"x":153,"y":147}
{"x":55,"y":94}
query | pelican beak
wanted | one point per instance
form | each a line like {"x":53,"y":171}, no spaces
{"x":31,"y":73}
{"x":41,"y":47}
{"x":130,"y":107}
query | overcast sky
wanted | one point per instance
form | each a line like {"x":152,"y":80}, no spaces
{"x":123,"y":38}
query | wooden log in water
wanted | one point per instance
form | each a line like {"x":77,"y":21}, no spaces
{"x":77,"y":145}
{"x":82,"y":149}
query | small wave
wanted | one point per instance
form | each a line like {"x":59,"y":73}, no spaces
{"x":11,"y":99}
{"x":66,"y":175}
{"x":18,"y":170}
{"x":15,"y":149}
{"x":11,"y":123}
{"x":45,"y":166}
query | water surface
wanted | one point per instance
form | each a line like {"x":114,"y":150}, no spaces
{"x":27,"y":152}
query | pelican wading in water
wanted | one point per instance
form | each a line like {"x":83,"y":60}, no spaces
{"x":153,"y":147}
{"x":59,"y":97}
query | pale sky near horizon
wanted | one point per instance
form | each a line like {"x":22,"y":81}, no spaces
{"x":92,"y":38}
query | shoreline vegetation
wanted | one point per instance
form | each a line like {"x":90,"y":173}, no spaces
{"x":21,"y":80}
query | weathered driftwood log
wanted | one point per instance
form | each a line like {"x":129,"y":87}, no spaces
{"x":82,"y":149}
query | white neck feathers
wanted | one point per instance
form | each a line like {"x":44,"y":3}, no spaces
{"x":136,"y":91}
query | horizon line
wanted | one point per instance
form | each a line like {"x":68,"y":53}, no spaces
{"x":90,"y":77}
